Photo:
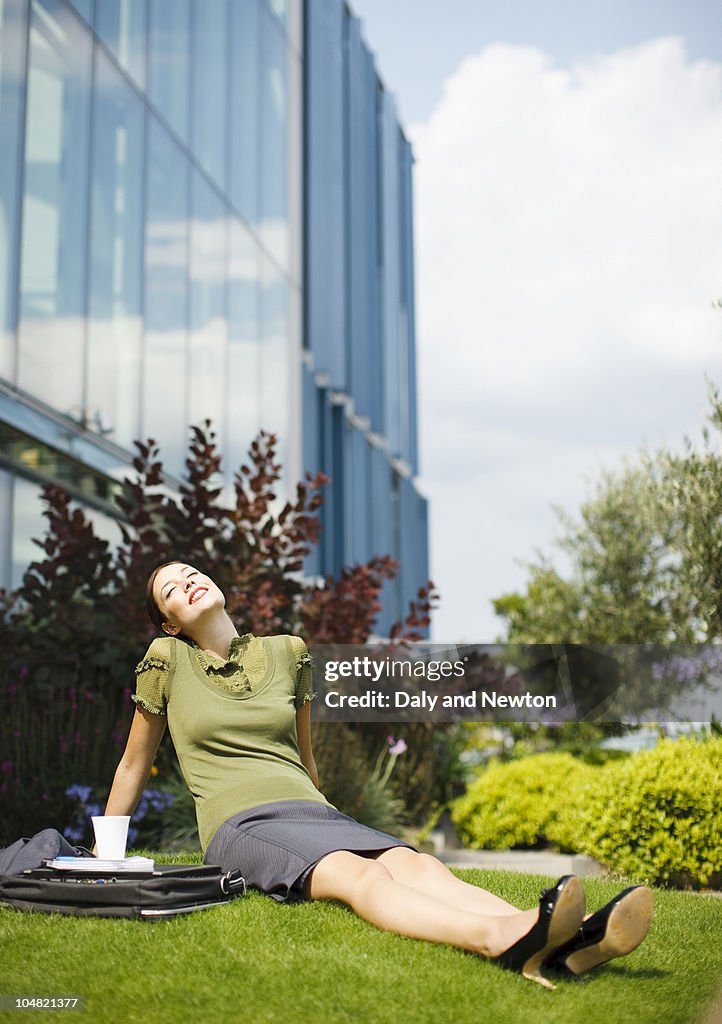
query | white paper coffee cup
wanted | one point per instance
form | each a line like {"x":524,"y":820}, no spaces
{"x":111,"y":835}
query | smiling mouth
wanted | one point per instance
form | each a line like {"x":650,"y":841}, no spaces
{"x":197,"y":593}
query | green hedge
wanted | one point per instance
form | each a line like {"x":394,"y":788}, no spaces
{"x":656,"y":816}
{"x":515,"y":803}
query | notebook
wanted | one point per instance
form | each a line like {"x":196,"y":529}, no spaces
{"x":95,"y":864}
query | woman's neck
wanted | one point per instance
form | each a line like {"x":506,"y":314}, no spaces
{"x":215,"y":635}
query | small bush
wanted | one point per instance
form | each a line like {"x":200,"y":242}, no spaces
{"x":564,"y":828}
{"x":658,"y":815}
{"x":516,"y":804}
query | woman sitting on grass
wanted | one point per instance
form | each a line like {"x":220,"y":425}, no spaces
{"x":238,"y":709}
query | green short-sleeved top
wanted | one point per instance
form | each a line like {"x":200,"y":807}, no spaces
{"x":233,"y":722}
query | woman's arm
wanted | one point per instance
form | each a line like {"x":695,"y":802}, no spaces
{"x":133,"y":771}
{"x":303,"y":730}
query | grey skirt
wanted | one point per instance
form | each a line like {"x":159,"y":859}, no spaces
{"x":276,"y":845}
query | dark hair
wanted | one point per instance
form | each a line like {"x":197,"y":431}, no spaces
{"x":154,"y":613}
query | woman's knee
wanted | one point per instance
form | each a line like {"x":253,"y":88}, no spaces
{"x":404,"y":863}
{"x":343,"y":875}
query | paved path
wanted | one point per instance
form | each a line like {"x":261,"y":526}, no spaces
{"x":446,"y":846}
{"x":532,"y":862}
{"x":539,"y":862}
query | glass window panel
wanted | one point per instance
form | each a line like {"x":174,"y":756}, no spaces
{"x":273,"y":226}
{"x":294,"y":23}
{"x":294,"y":179}
{"x":12,"y":71}
{"x":244,"y":107}
{"x":24,"y":502}
{"x":382,"y":532}
{"x":84,"y":7}
{"x":116,"y":266}
{"x":244,"y":357}
{"x":312,"y":452}
{"x":52,"y":272}
{"x":210,"y":42}
{"x":295,"y":356}
{"x":169,"y":66}
{"x":390,"y":226}
{"x":276,"y":362}
{"x":104,"y":526}
{"x":208,"y":320}
{"x":50,"y":465}
{"x":121,"y":24}
{"x":279,"y":9}
{"x":336,"y":523}
{"x":6,"y":519}
{"x":358,"y":499}
{"x":166,"y":260}
{"x":28,"y":523}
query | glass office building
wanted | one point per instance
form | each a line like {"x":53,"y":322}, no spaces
{"x":205,"y":213}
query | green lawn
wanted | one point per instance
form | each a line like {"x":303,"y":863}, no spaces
{"x":259,"y":961}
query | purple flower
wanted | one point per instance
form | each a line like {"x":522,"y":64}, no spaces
{"x":6,"y":767}
{"x":152,"y":800}
{"x":77,"y":792}
{"x":691,"y":668}
{"x":399,"y":747}
{"x":157,"y":800}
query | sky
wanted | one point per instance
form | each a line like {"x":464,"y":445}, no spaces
{"x":568,"y":239}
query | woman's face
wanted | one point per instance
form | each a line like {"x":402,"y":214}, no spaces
{"x":185,"y":596}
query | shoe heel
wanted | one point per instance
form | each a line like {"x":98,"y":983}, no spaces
{"x":561,"y":910}
{"x":564,"y":923}
{"x":626,"y":927}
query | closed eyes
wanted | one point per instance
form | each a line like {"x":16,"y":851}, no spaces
{"x":193,"y":572}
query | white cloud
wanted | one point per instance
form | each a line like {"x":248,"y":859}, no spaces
{"x":569,"y":247}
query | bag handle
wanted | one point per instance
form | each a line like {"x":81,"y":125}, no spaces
{"x":233,"y":884}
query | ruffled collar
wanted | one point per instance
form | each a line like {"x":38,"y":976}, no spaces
{"x":211,"y":664}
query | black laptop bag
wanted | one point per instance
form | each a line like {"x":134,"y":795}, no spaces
{"x":26,"y":883}
{"x":171,"y":889}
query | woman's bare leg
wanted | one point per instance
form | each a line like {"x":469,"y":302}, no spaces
{"x":426,"y":874}
{"x":368,"y":887}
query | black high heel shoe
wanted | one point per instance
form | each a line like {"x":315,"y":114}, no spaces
{"x":561,"y":910}
{"x":615,"y":930}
